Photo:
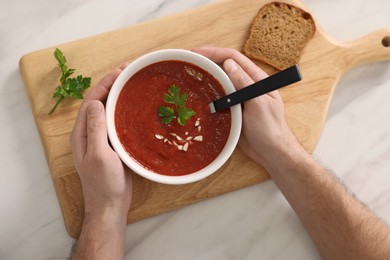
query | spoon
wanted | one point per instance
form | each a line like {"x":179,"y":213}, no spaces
{"x":271,"y":83}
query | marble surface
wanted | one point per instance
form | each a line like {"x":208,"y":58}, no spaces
{"x":252,"y":223}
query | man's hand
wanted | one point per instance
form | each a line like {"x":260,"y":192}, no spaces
{"x":264,"y":126}
{"x":106,"y":182}
{"x":341,"y":227}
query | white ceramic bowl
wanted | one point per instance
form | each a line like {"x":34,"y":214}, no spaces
{"x":200,"y":61}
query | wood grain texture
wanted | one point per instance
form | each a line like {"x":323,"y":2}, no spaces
{"x":224,"y":24}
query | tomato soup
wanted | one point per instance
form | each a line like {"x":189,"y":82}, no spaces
{"x":171,"y":149}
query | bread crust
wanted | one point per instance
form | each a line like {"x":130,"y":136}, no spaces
{"x":278,"y":34}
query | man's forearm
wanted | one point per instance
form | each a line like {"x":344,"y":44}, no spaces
{"x":339,"y":224}
{"x":102,"y":237}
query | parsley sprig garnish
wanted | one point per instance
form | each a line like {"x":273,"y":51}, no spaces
{"x":181,"y":111}
{"x":70,"y":87}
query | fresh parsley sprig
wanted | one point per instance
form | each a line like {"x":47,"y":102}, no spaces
{"x":69,"y":87}
{"x":182,"y":112}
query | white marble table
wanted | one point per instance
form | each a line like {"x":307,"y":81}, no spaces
{"x":252,"y":223}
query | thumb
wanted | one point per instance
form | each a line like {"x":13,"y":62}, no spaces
{"x":236,"y":74}
{"x":96,"y":127}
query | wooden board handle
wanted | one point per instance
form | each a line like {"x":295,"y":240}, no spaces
{"x":368,"y":49}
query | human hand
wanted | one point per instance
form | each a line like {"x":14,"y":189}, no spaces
{"x":106,"y":182}
{"x":265,"y":130}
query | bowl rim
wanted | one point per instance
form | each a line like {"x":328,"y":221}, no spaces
{"x":181,"y":55}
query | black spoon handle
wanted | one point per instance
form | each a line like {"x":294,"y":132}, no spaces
{"x":271,"y":83}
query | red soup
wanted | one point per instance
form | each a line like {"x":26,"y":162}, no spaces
{"x":171,"y":148}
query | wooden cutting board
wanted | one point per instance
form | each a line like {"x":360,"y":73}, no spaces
{"x":224,"y":24}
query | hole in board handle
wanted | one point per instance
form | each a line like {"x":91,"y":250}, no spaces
{"x":386,"y":41}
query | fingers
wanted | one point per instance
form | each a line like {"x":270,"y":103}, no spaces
{"x":247,"y":67}
{"x":220,"y":55}
{"x":237,"y":75}
{"x":100,"y":92}
{"x":78,"y":137}
{"x":124,"y":65}
{"x":96,"y":127}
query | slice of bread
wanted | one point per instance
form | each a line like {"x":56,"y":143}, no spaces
{"x":278,"y":34}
